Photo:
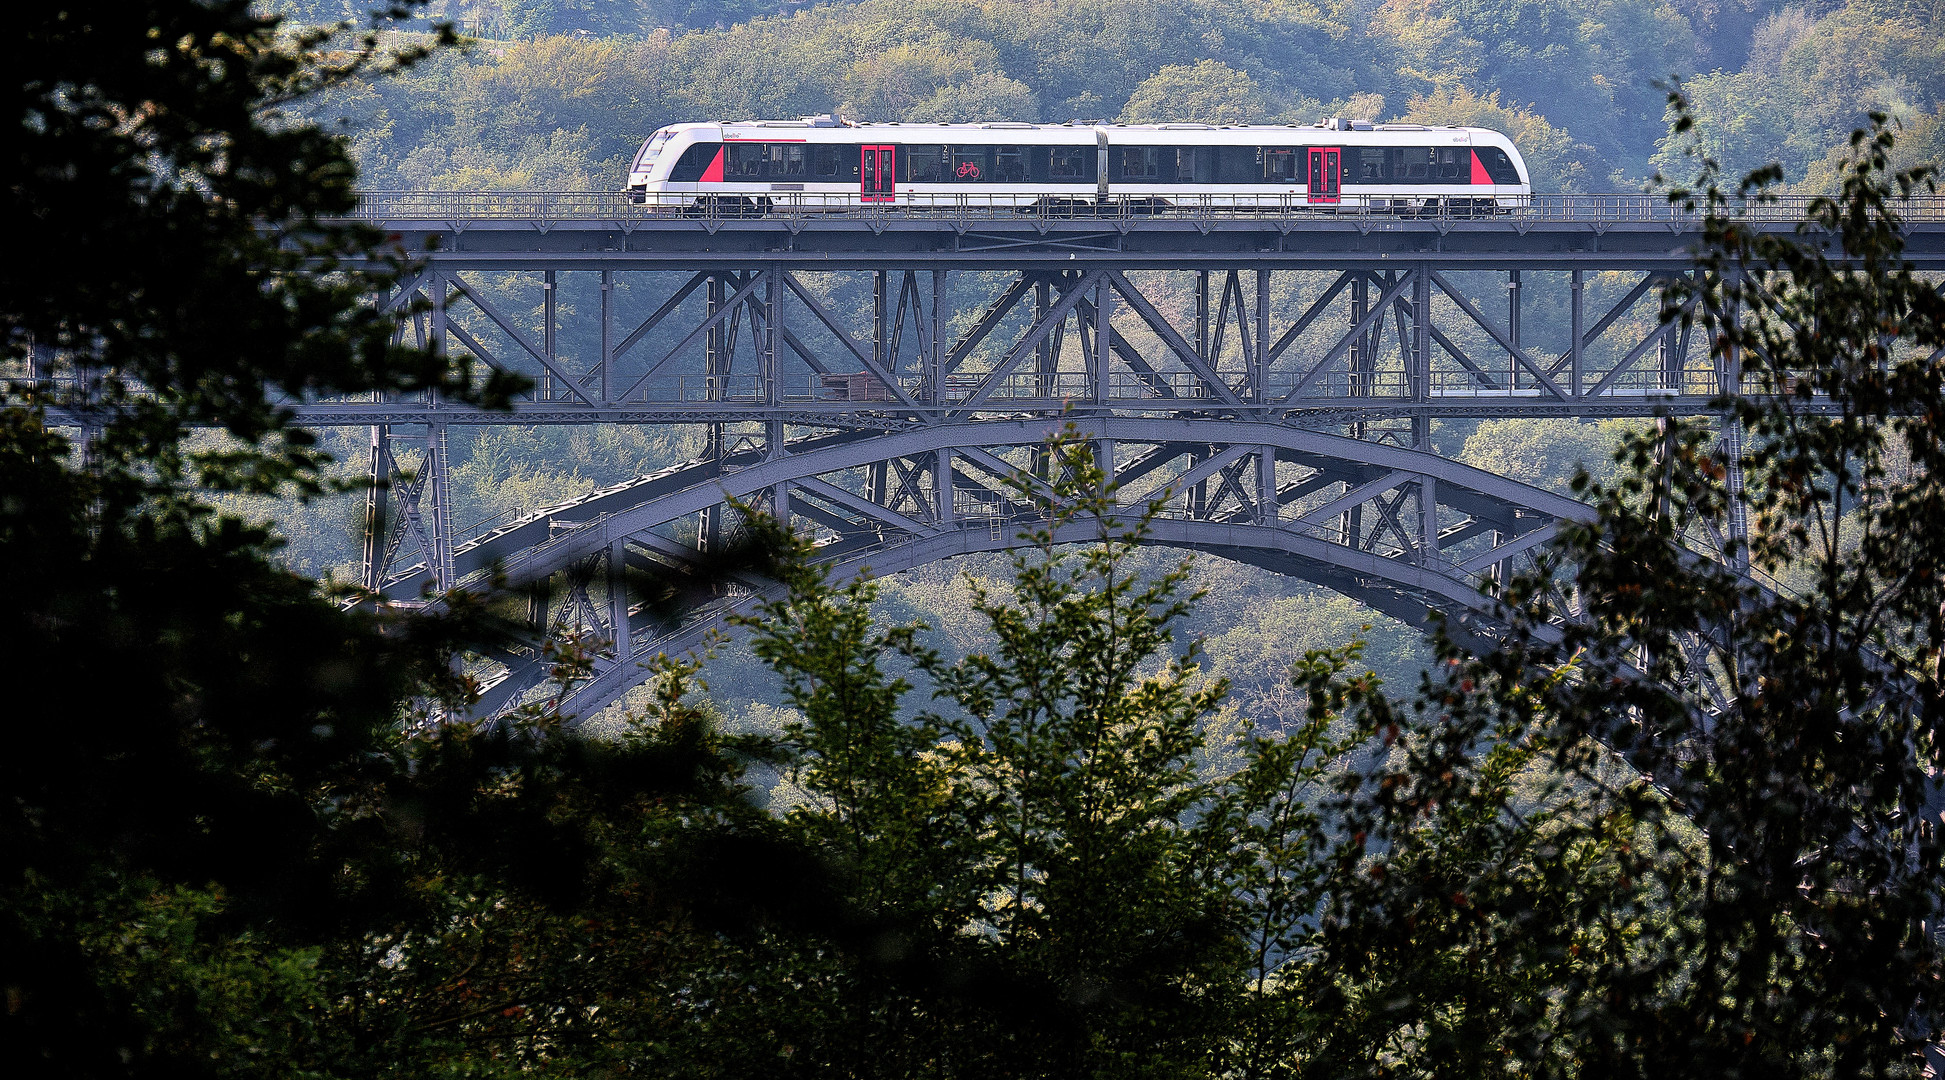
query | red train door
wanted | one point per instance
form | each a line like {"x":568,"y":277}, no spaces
{"x":878,"y":173}
{"x":1326,"y":171}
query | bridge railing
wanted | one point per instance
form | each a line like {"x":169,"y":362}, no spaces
{"x":861,"y":388}
{"x":546,"y":206}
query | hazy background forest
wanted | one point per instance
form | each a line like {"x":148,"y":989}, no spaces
{"x":557,"y":94}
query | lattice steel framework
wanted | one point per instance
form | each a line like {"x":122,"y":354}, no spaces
{"x":873,"y":377}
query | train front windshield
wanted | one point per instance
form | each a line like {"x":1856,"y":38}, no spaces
{"x":650,"y":150}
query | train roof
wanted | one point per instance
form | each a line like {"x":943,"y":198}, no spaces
{"x":819,"y":128}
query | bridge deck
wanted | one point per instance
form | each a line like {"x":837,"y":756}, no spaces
{"x":564,"y":230}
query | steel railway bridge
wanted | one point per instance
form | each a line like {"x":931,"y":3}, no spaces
{"x":874,"y":377}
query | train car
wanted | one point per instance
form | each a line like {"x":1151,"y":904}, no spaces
{"x":822,"y":163}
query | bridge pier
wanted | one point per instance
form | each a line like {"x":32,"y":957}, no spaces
{"x":377,"y":509}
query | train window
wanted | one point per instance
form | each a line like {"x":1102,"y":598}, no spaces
{"x":650,"y":150}
{"x":1204,"y":162}
{"x":1039,"y":163}
{"x":969,"y":165}
{"x":1178,"y":166}
{"x":1452,"y":164}
{"x":744,"y":162}
{"x":923,"y":164}
{"x":1419,"y":165}
{"x":1498,"y":165}
{"x":834,"y":162}
{"x":1072,"y":164}
{"x":1009,"y":165}
{"x":785,"y":160}
{"x":689,"y":167}
{"x":1410,"y":164}
{"x":1137,"y":163}
{"x":1366,"y":165}
{"x":1280,"y":164}
{"x":1237,"y":165}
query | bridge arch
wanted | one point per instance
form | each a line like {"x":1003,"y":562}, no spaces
{"x":1399,"y":528}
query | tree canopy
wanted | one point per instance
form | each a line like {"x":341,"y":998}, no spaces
{"x":1574,"y":83}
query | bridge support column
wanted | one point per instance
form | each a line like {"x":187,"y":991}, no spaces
{"x":878,"y":487}
{"x":1043,"y":353}
{"x":440,"y":559}
{"x":1360,"y":352}
{"x":377,"y":504}
{"x":1198,"y":494}
{"x":1202,"y":315}
{"x":1103,"y":340}
{"x":1576,"y":345}
{"x":1513,"y":318}
{"x":716,"y":362}
{"x":1428,"y":546}
{"x":1259,"y":376}
{"x":1350,"y":524}
{"x":1672,"y":354}
{"x":942,"y":483}
{"x":1261,"y":382}
{"x":769,"y":371}
{"x":1043,"y":365}
{"x":607,"y":330}
{"x":1266,"y":504}
{"x":1664,"y":461}
{"x":436,"y":288}
{"x":537,"y":607}
{"x":549,"y":328}
{"x":773,"y":448}
{"x":1664,"y":358}
{"x":623,"y":634}
{"x":1738,"y":503}
{"x":935,"y":358}
{"x":1731,"y":444}
{"x":1428,"y":521}
{"x":879,"y":332}
{"x":1421,"y":331}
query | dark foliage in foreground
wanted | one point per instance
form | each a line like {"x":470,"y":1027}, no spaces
{"x":1777,"y":707}
{"x":209,"y":787}
{"x":1683,"y":824}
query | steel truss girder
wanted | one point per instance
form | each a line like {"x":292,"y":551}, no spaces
{"x":796,"y":379}
{"x":1239,"y":459}
{"x":1401,"y":590}
{"x":408,"y":508}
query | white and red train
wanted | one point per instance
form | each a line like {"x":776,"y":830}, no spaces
{"x":820,"y":162}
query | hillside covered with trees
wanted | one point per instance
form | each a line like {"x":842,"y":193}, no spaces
{"x":557,"y":93}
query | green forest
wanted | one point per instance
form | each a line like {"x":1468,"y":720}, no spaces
{"x":1078,"y":810}
{"x":557,"y":94}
